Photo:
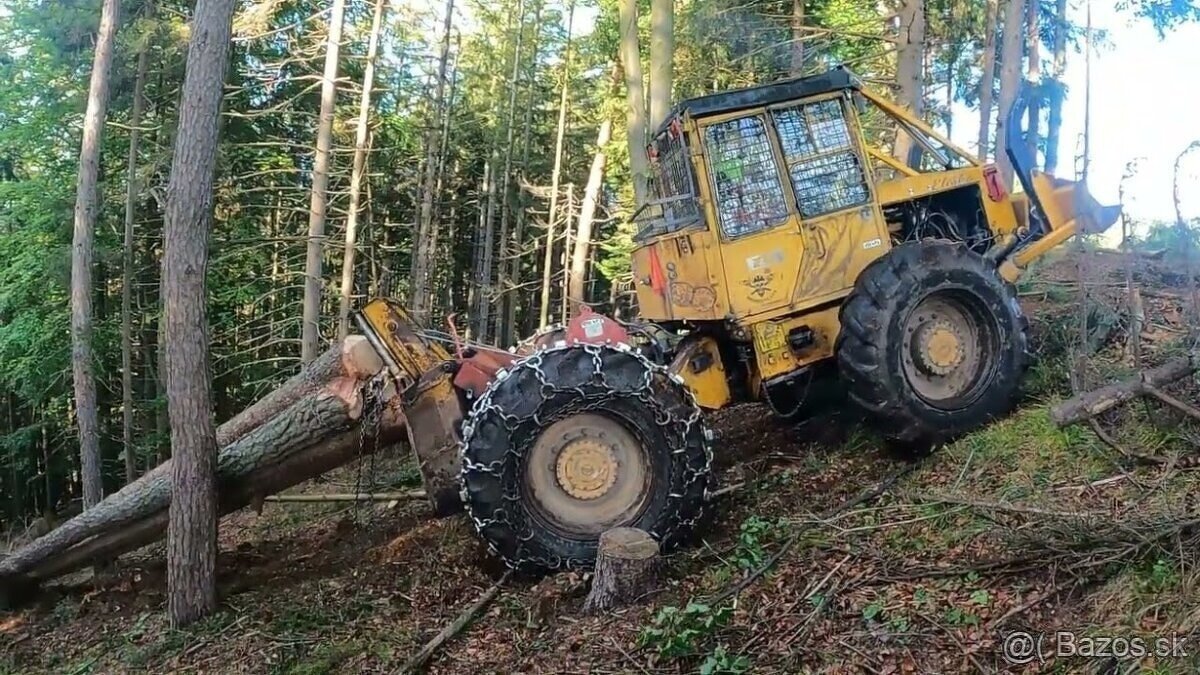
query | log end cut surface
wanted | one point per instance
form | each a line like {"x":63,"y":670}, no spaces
{"x":628,"y":543}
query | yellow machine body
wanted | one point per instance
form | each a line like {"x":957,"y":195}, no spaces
{"x":771,"y":201}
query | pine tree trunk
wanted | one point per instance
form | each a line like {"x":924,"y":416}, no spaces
{"x":576,"y":290}
{"x":192,"y":537}
{"x":356,"y":171}
{"x":314,"y":281}
{"x":1034,"y":41}
{"x":443,"y":245}
{"x":635,"y":99}
{"x":796,"y":68}
{"x":567,"y":251}
{"x":485,"y":247}
{"x":83,"y":258}
{"x":423,"y":244}
{"x":662,"y":56}
{"x":910,"y":53}
{"x":506,"y":248}
{"x":127,"y":277}
{"x":556,"y":175}
{"x":514,"y":268}
{"x":1011,"y":51}
{"x":987,"y":81}
{"x":1054,"y":124}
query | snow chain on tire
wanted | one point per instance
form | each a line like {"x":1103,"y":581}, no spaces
{"x":558,"y":382}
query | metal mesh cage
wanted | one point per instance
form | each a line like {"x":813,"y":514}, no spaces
{"x":749,"y":195}
{"x":674,"y":205}
{"x":826,"y":172}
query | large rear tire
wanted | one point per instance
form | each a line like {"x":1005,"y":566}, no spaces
{"x":575,"y":440}
{"x":933,"y":342}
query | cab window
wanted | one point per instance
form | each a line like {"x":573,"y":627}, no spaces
{"x":748,"y":192}
{"x":822,"y":163}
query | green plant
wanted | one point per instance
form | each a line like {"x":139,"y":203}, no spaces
{"x":753,"y":536}
{"x":872,"y":611}
{"x":1156,"y":577}
{"x":981,"y":597}
{"x":721,"y":661}
{"x":956,"y":616}
{"x":676,"y":632}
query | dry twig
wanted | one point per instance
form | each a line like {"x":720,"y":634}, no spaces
{"x":418,"y":660}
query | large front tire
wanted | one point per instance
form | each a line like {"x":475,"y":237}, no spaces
{"x":933,"y":342}
{"x":574,"y":440}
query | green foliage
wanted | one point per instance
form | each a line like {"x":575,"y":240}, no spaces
{"x":1157,"y":576}
{"x":753,"y":537}
{"x":676,"y":632}
{"x":722,"y":661}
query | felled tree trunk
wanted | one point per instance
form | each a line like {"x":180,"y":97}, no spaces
{"x":1092,"y":403}
{"x":301,"y":430}
{"x":627,"y":565}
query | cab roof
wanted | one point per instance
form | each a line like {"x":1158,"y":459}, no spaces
{"x":765,"y":94}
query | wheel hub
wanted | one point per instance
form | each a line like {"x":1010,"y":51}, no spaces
{"x":586,"y":469}
{"x":947,"y":349}
{"x":939,"y":347}
{"x":587,"y":473}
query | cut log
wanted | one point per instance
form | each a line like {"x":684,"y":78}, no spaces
{"x":1095,"y":402}
{"x":298,"y":432}
{"x":627,"y":564}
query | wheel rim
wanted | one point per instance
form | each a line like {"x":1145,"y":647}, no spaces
{"x":586,"y":474}
{"x":950,"y":349}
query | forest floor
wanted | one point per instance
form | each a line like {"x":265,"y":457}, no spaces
{"x":1017,"y":527}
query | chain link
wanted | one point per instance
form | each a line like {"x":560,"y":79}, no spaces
{"x":594,"y":395}
{"x":368,"y":429}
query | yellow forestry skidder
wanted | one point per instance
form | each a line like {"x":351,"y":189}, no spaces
{"x":782,"y":253}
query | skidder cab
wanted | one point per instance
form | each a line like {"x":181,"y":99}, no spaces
{"x":783,"y":247}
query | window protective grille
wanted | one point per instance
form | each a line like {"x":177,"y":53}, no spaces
{"x":749,"y":194}
{"x":825,"y":169}
{"x":674,"y":205}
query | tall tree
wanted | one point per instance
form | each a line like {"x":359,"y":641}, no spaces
{"x":635,"y":98}
{"x":507,"y":249}
{"x":310,"y":341}
{"x":1011,"y":50}
{"x":1057,"y":87}
{"x":796,"y":69}
{"x":83,"y":257}
{"x":192,"y":529}
{"x":662,"y":56}
{"x":1034,"y":41}
{"x":577,"y":278}
{"x":128,"y":271}
{"x":425,"y":237}
{"x":356,"y":171}
{"x":910,"y":80}
{"x":556,"y":173}
{"x":987,"y":80}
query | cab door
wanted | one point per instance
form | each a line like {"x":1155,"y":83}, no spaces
{"x":761,"y":247}
{"x":838,"y":216}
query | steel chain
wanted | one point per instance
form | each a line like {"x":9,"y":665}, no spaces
{"x":368,"y":428}
{"x":591,"y":396}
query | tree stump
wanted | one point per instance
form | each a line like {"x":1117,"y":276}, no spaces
{"x":627,"y":566}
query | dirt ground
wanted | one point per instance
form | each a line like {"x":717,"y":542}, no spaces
{"x":1019,"y":528}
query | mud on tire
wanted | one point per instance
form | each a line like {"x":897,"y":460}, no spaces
{"x":875,"y":334}
{"x":556,"y":384}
